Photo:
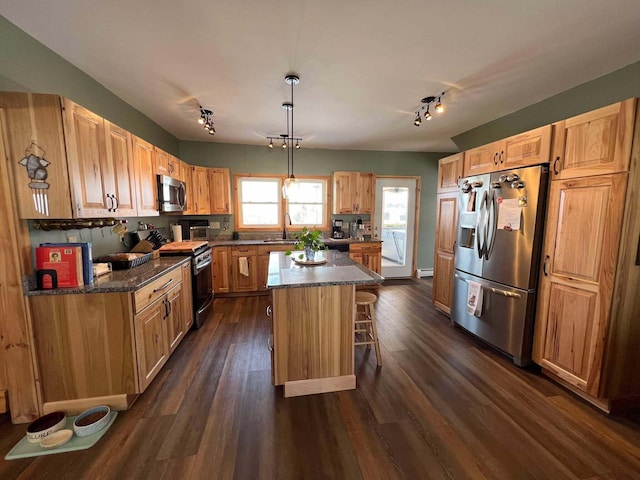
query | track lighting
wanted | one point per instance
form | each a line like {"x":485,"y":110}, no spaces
{"x":298,"y":144}
{"x":206,"y":120}
{"x":270,"y":143}
{"x":426,"y":103}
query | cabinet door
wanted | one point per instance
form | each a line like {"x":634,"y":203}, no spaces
{"x":579,"y":263}
{"x":594,"y":143}
{"x":263,"y":272}
{"x":88,"y":167}
{"x":187,"y":300}
{"x":175,"y":322}
{"x":366,"y":193}
{"x":174,"y":167}
{"x":200,"y":183}
{"x":449,"y":172}
{"x":344,"y":190}
{"x":357,"y":257}
{"x":32,"y":124}
{"x":529,"y":148}
{"x":160,"y":161}
{"x":220,"y":270}
{"x":479,"y":160}
{"x":446,"y":224}
{"x":120,"y":158}
{"x":151,"y":342}
{"x":187,"y":178}
{"x":247,"y":281}
{"x":146,"y":185}
{"x":220,"y":190}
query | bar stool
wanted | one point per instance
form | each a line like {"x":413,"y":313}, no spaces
{"x":365,"y":322}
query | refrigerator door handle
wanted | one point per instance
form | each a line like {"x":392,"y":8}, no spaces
{"x":481,"y":236}
{"x":492,"y":224}
{"x":498,"y":291}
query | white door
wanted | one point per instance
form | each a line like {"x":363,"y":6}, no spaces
{"x":395,"y":221}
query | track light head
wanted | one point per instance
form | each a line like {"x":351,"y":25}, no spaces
{"x":439,"y":106}
{"x":201,"y":120}
{"x":427,"y":115}
{"x":418,"y":121}
{"x":298,"y":144}
{"x":270,"y":143}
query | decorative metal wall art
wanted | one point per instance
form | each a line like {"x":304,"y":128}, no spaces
{"x":36,"y":166}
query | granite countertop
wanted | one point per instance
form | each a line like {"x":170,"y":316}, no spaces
{"x":117,"y":281}
{"x":327,"y":241}
{"x":339,"y":270}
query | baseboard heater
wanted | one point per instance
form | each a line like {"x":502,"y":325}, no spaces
{"x":425,"y":272}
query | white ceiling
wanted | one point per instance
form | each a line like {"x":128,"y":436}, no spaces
{"x":364,"y":64}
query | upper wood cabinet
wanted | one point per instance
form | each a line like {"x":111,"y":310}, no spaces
{"x":187,"y":178}
{"x":174,"y":166}
{"x":146,"y":184}
{"x":354,"y":192}
{"x":449,"y":172}
{"x":200,"y":184}
{"x":122,"y":179}
{"x":529,"y":148}
{"x":160,"y":162}
{"x":594,"y":143}
{"x":443,"y":264}
{"x":220,"y":190}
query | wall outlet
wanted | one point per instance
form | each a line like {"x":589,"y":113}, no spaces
{"x":72,"y":239}
{"x":215,"y":225}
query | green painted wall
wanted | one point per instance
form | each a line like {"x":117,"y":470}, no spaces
{"x":260,"y":159}
{"x":26,"y":65}
{"x":608,"y":89}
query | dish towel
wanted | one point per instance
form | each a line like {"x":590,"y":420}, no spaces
{"x":474,"y":299}
{"x":244,"y":266}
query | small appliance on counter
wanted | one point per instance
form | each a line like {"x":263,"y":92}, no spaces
{"x":195,"y":229}
{"x":357,"y":230}
{"x":337,"y":231}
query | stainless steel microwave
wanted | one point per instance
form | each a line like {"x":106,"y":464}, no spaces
{"x":172,"y":194}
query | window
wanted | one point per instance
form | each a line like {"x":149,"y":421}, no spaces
{"x":258,"y":202}
{"x":261,"y":206}
{"x":307,"y":204}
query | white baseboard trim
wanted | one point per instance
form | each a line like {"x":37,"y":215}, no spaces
{"x":425,"y":272}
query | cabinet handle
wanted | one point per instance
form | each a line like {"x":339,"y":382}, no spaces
{"x":556,"y":162}
{"x":269,"y":344}
{"x":502,"y":157}
{"x":544,"y":265}
{"x":169,"y":308}
{"x":269,"y":310}
{"x":109,"y":203}
{"x":116,"y":203}
{"x":196,"y":206}
{"x":163,"y":286}
{"x":495,"y":158}
{"x":171,"y":168}
{"x":455,"y":244}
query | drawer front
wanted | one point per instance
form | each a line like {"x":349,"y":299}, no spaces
{"x":266,"y":249}
{"x":365,"y":247}
{"x":244,"y":251}
{"x":149,"y":293}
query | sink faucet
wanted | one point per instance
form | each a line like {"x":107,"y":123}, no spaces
{"x":284,"y":225}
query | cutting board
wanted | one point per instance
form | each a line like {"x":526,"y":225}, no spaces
{"x":178,"y":247}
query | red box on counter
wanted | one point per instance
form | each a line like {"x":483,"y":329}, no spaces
{"x":60,"y":267}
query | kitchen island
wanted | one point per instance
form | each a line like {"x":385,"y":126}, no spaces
{"x":313,"y":309}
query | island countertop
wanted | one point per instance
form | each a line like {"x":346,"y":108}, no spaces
{"x":338,"y":270}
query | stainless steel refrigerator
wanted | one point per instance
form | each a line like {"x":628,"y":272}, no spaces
{"x":499,"y":236}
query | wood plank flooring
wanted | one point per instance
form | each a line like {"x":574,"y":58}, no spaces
{"x":442,"y":406}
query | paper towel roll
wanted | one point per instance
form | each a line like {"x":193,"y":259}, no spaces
{"x":177,"y":233}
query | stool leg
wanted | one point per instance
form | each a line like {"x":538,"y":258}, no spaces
{"x":375,"y":334}
{"x":367,"y":314}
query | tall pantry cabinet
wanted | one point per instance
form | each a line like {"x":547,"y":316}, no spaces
{"x":449,"y":172}
{"x":586,"y":331}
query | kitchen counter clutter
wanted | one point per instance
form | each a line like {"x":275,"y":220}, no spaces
{"x":117,"y":281}
{"x":329,"y":242}
{"x":312,"y":315}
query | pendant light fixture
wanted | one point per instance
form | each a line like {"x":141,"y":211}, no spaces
{"x":426,"y":103}
{"x":206,"y":120}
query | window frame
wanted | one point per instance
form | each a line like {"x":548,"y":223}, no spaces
{"x":282,"y":203}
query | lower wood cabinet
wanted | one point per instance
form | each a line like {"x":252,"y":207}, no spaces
{"x":187,"y":291}
{"x":221,"y":282}
{"x":368,"y":254}
{"x":263,"y":262}
{"x":244,"y":269}
{"x":443,"y":265}
{"x":106,"y":347}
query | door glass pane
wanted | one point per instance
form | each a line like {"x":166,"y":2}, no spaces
{"x":395,"y":205}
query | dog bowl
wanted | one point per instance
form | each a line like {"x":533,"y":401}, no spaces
{"x":45,"y":426}
{"x":91,"y":421}
{"x":56,"y":439}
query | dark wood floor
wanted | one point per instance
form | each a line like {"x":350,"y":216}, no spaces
{"x":442,"y":406}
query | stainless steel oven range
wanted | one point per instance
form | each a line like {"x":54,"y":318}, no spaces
{"x":201,"y":275}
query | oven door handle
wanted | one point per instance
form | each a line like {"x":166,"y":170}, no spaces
{"x":200,"y":266}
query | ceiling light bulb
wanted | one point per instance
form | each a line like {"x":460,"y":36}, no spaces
{"x":439,"y":106}
{"x":427,"y":115}
{"x":270,"y":143}
{"x":418,"y":120}
{"x":297,"y":144}
{"x":212,"y":132}
{"x":284,"y":144}
{"x":201,"y":120}
{"x":212,"y":129}
{"x":207,"y":125}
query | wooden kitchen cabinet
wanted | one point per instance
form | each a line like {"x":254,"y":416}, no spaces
{"x":586,"y":329}
{"x":353,"y":192}
{"x":220,"y":191}
{"x":120,"y":158}
{"x":187,"y":292}
{"x":221,"y":266}
{"x":175,"y":302}
{"x":200,"y":184}
{"x":443,"y":264}
{"x":368,"y":254}
{"x":174,"y":166}
{"x":187,"y":178}
{"x":248,"y":281}
{"x":594,"y":143}
{"x":146,"y":184}
{"x":528,"y":148}
{"x":449,"y":172}
{"x":152,"y":349}
{"x":263,"y":262}
{"x":160,"y":161}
